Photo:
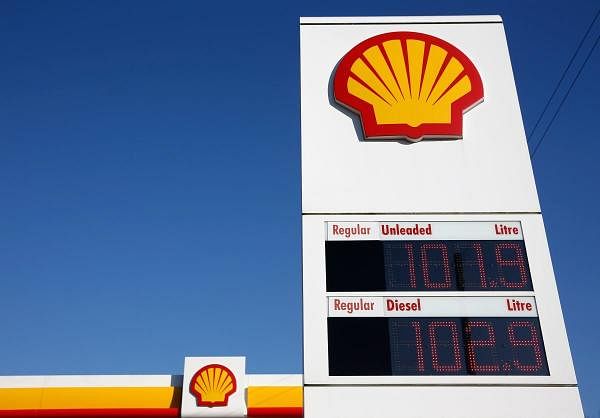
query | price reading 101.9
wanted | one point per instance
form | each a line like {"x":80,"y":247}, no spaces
{"x":427,"y":266}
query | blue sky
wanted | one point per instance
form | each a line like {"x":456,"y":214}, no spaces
{"x":150,"y":178}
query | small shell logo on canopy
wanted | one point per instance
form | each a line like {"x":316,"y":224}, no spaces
{"x":212,"y":385}
{"x":408,"y":85}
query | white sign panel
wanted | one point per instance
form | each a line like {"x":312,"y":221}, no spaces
{"x":351,"y":231}
{"x":439,"y":306}
{"x":488,"y":170}
{"x":214,"y":387}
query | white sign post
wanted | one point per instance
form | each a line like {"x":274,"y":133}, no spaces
{"x":427,"y":281}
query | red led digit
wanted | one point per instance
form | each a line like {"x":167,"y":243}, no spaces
{"x":473,"y":345}
{"x":425,"y":248}
{"x":400,"y":266}
{"x":533,"y":342}
{"x":518,"y":261}
{"x":480,"y":264}
{"x":435,"y":358}
{"x":475,"y":260}
{"x":419,"y":345}
{"x":411,"y":265}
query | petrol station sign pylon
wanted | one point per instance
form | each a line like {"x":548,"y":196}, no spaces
{"x":428,"y":288}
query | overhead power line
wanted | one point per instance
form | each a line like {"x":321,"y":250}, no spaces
{"x":565,"y":96}
{"x":562,"y":77}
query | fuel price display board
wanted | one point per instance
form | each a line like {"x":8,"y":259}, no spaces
{"x":431,"y":298}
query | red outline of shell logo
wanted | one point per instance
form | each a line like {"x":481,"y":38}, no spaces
{"x":212,"y":385}
{"x":408,"y":85}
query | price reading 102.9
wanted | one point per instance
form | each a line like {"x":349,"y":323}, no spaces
{"x":469,"y":265}
{"x":436,"y":346}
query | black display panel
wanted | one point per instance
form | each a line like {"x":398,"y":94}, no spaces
{"x":436,"y":346}
{"x":371,"y":266}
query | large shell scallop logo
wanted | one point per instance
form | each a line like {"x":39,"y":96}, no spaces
{"x":408,"y":85}
{"x":212,"y":385}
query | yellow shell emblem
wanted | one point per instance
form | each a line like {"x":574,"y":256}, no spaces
{"x":408,"y":85}
{"x":212,"y":385}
